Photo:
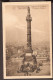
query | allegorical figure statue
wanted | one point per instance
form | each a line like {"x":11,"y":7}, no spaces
{"x":28,"y":10}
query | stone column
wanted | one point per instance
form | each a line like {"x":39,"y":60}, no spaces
{"x":29,"y":19}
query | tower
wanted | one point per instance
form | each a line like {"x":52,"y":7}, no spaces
{"x":29,"y":19}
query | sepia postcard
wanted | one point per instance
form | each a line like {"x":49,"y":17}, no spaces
{"x":27,"y":40}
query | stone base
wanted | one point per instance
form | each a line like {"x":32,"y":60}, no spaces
{"x":29,"y":62}
{"x":28,"y":54}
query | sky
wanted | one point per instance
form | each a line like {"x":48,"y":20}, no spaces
{"x":16,"y":24}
